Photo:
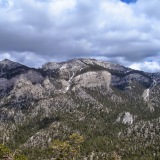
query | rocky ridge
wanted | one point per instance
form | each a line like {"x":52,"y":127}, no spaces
{"x":66,"y":97}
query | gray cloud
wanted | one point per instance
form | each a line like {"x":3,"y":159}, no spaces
{"x":64,"y":29}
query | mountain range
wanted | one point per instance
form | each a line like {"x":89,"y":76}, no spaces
{"x":116,"y":109}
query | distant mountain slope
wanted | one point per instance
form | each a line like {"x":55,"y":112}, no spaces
{"x":116,"y":109}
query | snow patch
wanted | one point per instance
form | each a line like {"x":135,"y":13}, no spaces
{"x":69,"y":83}
{"x":147,"y":91}
{"x":71,"y":77}
{"x":146,"y":94}
{"x":63,"y":67}
{"x":67,"y":88}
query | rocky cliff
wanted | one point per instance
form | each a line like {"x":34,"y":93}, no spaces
{"x":117,"y":109}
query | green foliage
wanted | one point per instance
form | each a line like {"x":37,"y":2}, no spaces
{"x":68,"y":149}
{"x":20,"y":157}
{"x":6,"y":153}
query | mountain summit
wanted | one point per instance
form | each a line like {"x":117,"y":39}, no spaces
{"x":115,"y":108}
{"x":7,"y":64}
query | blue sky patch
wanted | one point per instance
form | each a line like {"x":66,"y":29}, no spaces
{"x":129,"y":1}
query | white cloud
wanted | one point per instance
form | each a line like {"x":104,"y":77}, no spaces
{"x":146,"y":66}
{"x":57,"y":7}
{"x":136,"y":66}
{"x":63,"y":29}
{"x":148,"y":8}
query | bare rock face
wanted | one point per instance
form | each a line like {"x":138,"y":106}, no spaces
{"x":128,"y":118}
{"x":25,"y":88}
{"x":93,"y":79}
{"x":125,"y":118}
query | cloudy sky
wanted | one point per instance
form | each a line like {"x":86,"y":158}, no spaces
{"x":127,"y":32}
